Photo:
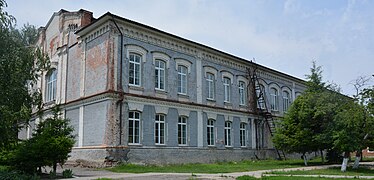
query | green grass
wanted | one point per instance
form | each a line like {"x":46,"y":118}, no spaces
{"x":286,"y":178}
{"x":362,"y":171}
{"x":222,"y":167}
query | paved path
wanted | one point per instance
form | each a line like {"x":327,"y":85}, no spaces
{"x":87,"y":173}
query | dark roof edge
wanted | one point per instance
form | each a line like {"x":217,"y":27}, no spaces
{"x":189,"y":41}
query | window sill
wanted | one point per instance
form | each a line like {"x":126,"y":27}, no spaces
{"x":136,"y":87}
{"x":134,"y":144}
{"x":183,"y":95}
{"x":243,"y":105}
{"x":51,"y":102}
{"x":160,"y":91}
{"x":210,"y":99}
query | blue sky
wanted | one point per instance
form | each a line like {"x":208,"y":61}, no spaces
{"x":286,"y":35}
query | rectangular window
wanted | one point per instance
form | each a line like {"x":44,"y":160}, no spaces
{"x":160,"y":129}
{"x":242,"y":134}
{"x":210,"y":85}
{"x":160,"y":75}
{"x":182,"y":79}
{"x":210,"y":132}
{"x":226,"y":85}
{"x":182,"y":130}
{"x":134,"y":127}
{"x":228,"y":134}
{"x":242,"y":92}
{"x":134,"y":69}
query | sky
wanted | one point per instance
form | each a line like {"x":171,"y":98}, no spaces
{"x":285,"y":35}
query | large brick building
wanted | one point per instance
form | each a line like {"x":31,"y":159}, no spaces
{"x":143,"y":95}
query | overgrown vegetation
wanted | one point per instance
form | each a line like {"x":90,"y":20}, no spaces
{"x":287,"y":178}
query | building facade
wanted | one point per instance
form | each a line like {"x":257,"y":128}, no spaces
{"x":146,"y":96}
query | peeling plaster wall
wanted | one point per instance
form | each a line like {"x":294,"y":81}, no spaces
{"x":74,"y":73}
{"x":97,"y":65}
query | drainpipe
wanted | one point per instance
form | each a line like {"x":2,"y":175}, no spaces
{"x":120,"y":82}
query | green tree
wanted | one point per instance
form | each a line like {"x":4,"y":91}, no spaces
{"x":50,"y":145}
{"x":19,"y":64}
{"x":306,"y":127}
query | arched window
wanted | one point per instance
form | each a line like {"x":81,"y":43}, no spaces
{"x":242,"y":93}
{"x":286,"y":100}
{"x":261,"y":102}
{"x":210,"y":85}
{"x":274,"y":99}
{"x":160,"y":75}
{"x":135,"y":69}
{"x":227,"y":87}
{"x":51,"y":84}
{"x":182,"y":79}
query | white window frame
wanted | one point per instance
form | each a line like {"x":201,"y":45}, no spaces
{"x":160,"y":130}
{"x":227,"y":87}
{"x":242,"y":93}
{"x":182,"y":79}
{"x":286,"y":100}
{"x":274,"y":105}
{"x":182,"y":130}
{"x":51,"y":85}
{"x":228,"y":130}
{"x":210,"y":132}
{"x":135,"y":64}
{"x":160,"y":74}
{"x":243,"y":134}
{"x":210,"y":79}
{"x":135,"y":124}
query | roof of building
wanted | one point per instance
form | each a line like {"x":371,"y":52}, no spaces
{"x":109,"y":16}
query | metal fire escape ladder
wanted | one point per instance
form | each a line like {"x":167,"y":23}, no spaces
{"x":262,"y":110}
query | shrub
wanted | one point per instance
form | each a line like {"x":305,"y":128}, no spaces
{"x":67,"y":173}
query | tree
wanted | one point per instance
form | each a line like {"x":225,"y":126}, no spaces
{"x":50,"y":145}
{"x":306,"y":127}
{"x":19,"y":64}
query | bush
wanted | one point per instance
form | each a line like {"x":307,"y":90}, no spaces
{"x":17,"y":175}
{"x":67,"y":173}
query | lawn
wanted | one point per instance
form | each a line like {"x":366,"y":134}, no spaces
{"x":362,"y":171}
{"x":287,"y":178}
{"x":221,"y":167}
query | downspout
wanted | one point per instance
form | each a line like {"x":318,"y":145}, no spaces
{"x":120,"y":88}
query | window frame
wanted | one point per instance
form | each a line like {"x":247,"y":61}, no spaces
{"x":160,"y":129}
{"x":242,"y":93}
{"x":227,"y":133}
{"x":182,"y":85}
{"x":286,"y":100}
{"x":243,"y":134}
{"x":134,"y":119}
{"x":51,"y":85}
{"x":210,"y":80}
{"x":226,"y":89}
{"x":210,"y":132}
{"x":182,"y":135}
{"x":274,"y":104}
{"x":160,"y":81}
{"x":135,"y":64}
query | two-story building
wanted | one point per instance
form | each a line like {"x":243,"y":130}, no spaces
{"x":147,"y":96}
